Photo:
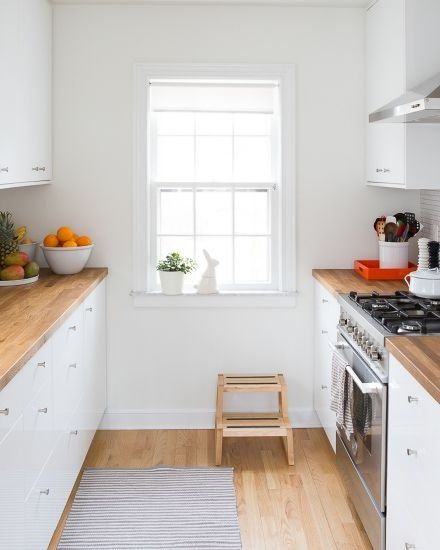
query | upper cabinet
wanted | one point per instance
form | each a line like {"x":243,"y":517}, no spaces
{"x":25,"y":92}
{"x":402,"y":51}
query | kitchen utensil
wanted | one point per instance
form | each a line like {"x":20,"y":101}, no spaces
{"x":67,"y":260}
{"x":401,"y":226}
{"x":390,"y":219}
{"x":410,"y":217}
{"x":400,"y":217}
{"x":378,"y":225}
{"x":425,"y":284}
{"x":390,"y":231}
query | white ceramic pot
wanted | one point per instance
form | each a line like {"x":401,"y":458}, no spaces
{"x":393,"y":255}
{"x":67,"y":261}
{"x":424,"y":283}
{"x":171,"y":282}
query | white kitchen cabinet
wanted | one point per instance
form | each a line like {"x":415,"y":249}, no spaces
{"x":54,"y":406}
{"x":25,"y":92}
{"x":327,"y":313}
{"x":400,"y":155}
{"x":413,"y":484}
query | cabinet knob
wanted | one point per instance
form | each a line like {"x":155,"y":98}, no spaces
{"x":44,"y":492}
{"x":4,"y":169}
{"x":73,"y":327}
{"x":379,"y":170}
{"x":323,"y":387}
{"x":74,"y":432}
{"x":43,"y":410}
{"x":73,"y":366}
{"x":412,"y":399}
{"x":385,"y":170}
{"x":42,"y":364}
{"x":89,"y":309}
{"x":409,"y":546}
{"x":324,"y":331}
{"x":411,"y":452}
{"x":4,"y":411}
{"x":324,"y":301}
{"x":38,"y":168}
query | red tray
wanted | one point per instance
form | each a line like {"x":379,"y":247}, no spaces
{"x":370,"y":270}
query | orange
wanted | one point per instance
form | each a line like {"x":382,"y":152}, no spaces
{"x":69,"y":244}
{"x":50,"y":240}
{"x":75,"y":236}
{"x":83,"y":241}
{"x":64,"y":234}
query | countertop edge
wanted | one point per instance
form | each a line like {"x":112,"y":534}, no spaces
{"x":44,"y":337}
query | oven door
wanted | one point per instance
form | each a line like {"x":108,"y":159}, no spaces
{"x":365,"y":440}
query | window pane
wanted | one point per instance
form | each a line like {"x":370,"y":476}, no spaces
{"x":175,"y":124}
{"x":166,"y":245}
{"x":252,"y":159}
{"x":251,"y":211}
{"x":214,"y":124}
{"x":251,"y":259}
{"x":214,"y":158}
{"x":252,"y":124}
{"x":214,"y":212}
{"x":176,"y":211}
{"x":175,"y":158}
{"x":219,"y":248}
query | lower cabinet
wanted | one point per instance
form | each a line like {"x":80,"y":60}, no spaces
{"x":413,"y":483}
{"x":54,"y":406}
{"x":326,"y":319}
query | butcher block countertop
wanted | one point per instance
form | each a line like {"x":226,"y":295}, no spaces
{"x":30,"y":314}
{"x":341,"y":281}
{"x":420,"y":355}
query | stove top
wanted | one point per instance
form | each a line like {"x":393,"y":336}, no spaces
{"x":401,"y":313}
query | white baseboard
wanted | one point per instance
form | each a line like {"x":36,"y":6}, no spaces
{"x":184,"y":419}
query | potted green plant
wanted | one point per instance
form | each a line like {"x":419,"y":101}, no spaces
{"x":172,"y":271}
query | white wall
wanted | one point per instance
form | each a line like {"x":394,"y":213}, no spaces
{"x":167,"y":360}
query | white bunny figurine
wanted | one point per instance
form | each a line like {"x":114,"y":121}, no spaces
{"x":208,"y":282}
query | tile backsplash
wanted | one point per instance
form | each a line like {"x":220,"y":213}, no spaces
{"x":430,"y":213}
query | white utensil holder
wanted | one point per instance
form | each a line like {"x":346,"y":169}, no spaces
{"x":393,"y":255}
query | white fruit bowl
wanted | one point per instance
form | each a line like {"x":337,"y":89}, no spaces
{"x":68,"y":260}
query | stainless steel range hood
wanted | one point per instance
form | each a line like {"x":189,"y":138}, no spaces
{"x":422,"y":104}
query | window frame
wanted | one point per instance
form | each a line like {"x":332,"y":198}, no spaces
{"x":144,"y":209}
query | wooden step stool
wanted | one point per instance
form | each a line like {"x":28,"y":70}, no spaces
{"x":252,"y":424}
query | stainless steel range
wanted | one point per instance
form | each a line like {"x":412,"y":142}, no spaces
{"x":366,"y":320}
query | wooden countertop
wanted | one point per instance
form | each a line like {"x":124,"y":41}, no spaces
{"x":341,"y":281}
{"x":420,"y":355}
{"x":30,"y":314}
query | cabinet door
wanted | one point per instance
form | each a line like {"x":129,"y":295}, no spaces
{"x":386,"y":159}
{"x":95,"y":353}
{"x":37,"y":56}
{"x":11,"y":91}
{"x":385,"y":52}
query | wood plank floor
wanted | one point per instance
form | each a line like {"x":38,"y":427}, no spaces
{"x":280,"y":507}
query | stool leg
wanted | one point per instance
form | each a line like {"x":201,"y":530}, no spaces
{"x":282,"y":398}
{"x":219,"y":422}
{"x":290,"y":453}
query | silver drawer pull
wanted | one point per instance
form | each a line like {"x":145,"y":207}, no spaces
{"x":42,"y":364}
{"x":43,"y":410}
{"x":379,"y":169}
{"x":44,"y":492}
{"x":412,"y":399}
{"x":4,"y":411}
{"x":74,"y":432}
{"x":73,"y":327}
{"x":73,"y":366}
{"x":89,"y":309}
{"x":411,"y":452}
{"x":409,"y":546}
{"x":386,"y":170}
{"x":324,"y":331}
{"x":324,"y":301}
{"x":4,"y":169}
{"x":38,"y":168}
{"x":323,"y":387}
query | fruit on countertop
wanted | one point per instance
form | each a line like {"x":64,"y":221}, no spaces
{"x":65,"y":237}
{"x":16,"y":258}
{"x":27,"y":240}
{"x":12,"y":273}
{"x":32,"y":269}
{"x":20,"y":233}
{"x":8,"y":238}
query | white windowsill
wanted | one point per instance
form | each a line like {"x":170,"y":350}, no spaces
{"x":230,"y":299}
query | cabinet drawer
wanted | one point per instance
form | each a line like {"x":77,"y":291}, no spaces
{"x":39,"y":433}
{"x":67,"y":341}
{"x":38,"y":372}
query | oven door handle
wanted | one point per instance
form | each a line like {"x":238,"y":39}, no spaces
{"x":365,"y":387}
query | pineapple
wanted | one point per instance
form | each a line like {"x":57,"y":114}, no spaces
{"x":8,"y":239}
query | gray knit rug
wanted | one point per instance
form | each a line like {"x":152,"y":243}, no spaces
{"x":154,"y":508}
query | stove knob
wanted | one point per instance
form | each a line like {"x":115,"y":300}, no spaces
{"x":350,"y":327}
{"x":359,"y":337}
{"x":365,"y":343}
{"x":343,"y":322}
{"x":355,"y":332}
{"x":374,"y":354}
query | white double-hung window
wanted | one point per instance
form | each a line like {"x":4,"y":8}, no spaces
{"x":213,"y":172}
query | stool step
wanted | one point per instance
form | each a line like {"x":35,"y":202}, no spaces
{"x":254,"y":424}
{"x":253,"y":383}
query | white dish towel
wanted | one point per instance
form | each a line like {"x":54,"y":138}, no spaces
{"x":341,"y":393}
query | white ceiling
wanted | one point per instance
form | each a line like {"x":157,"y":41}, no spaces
{"x":309,"y":3}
